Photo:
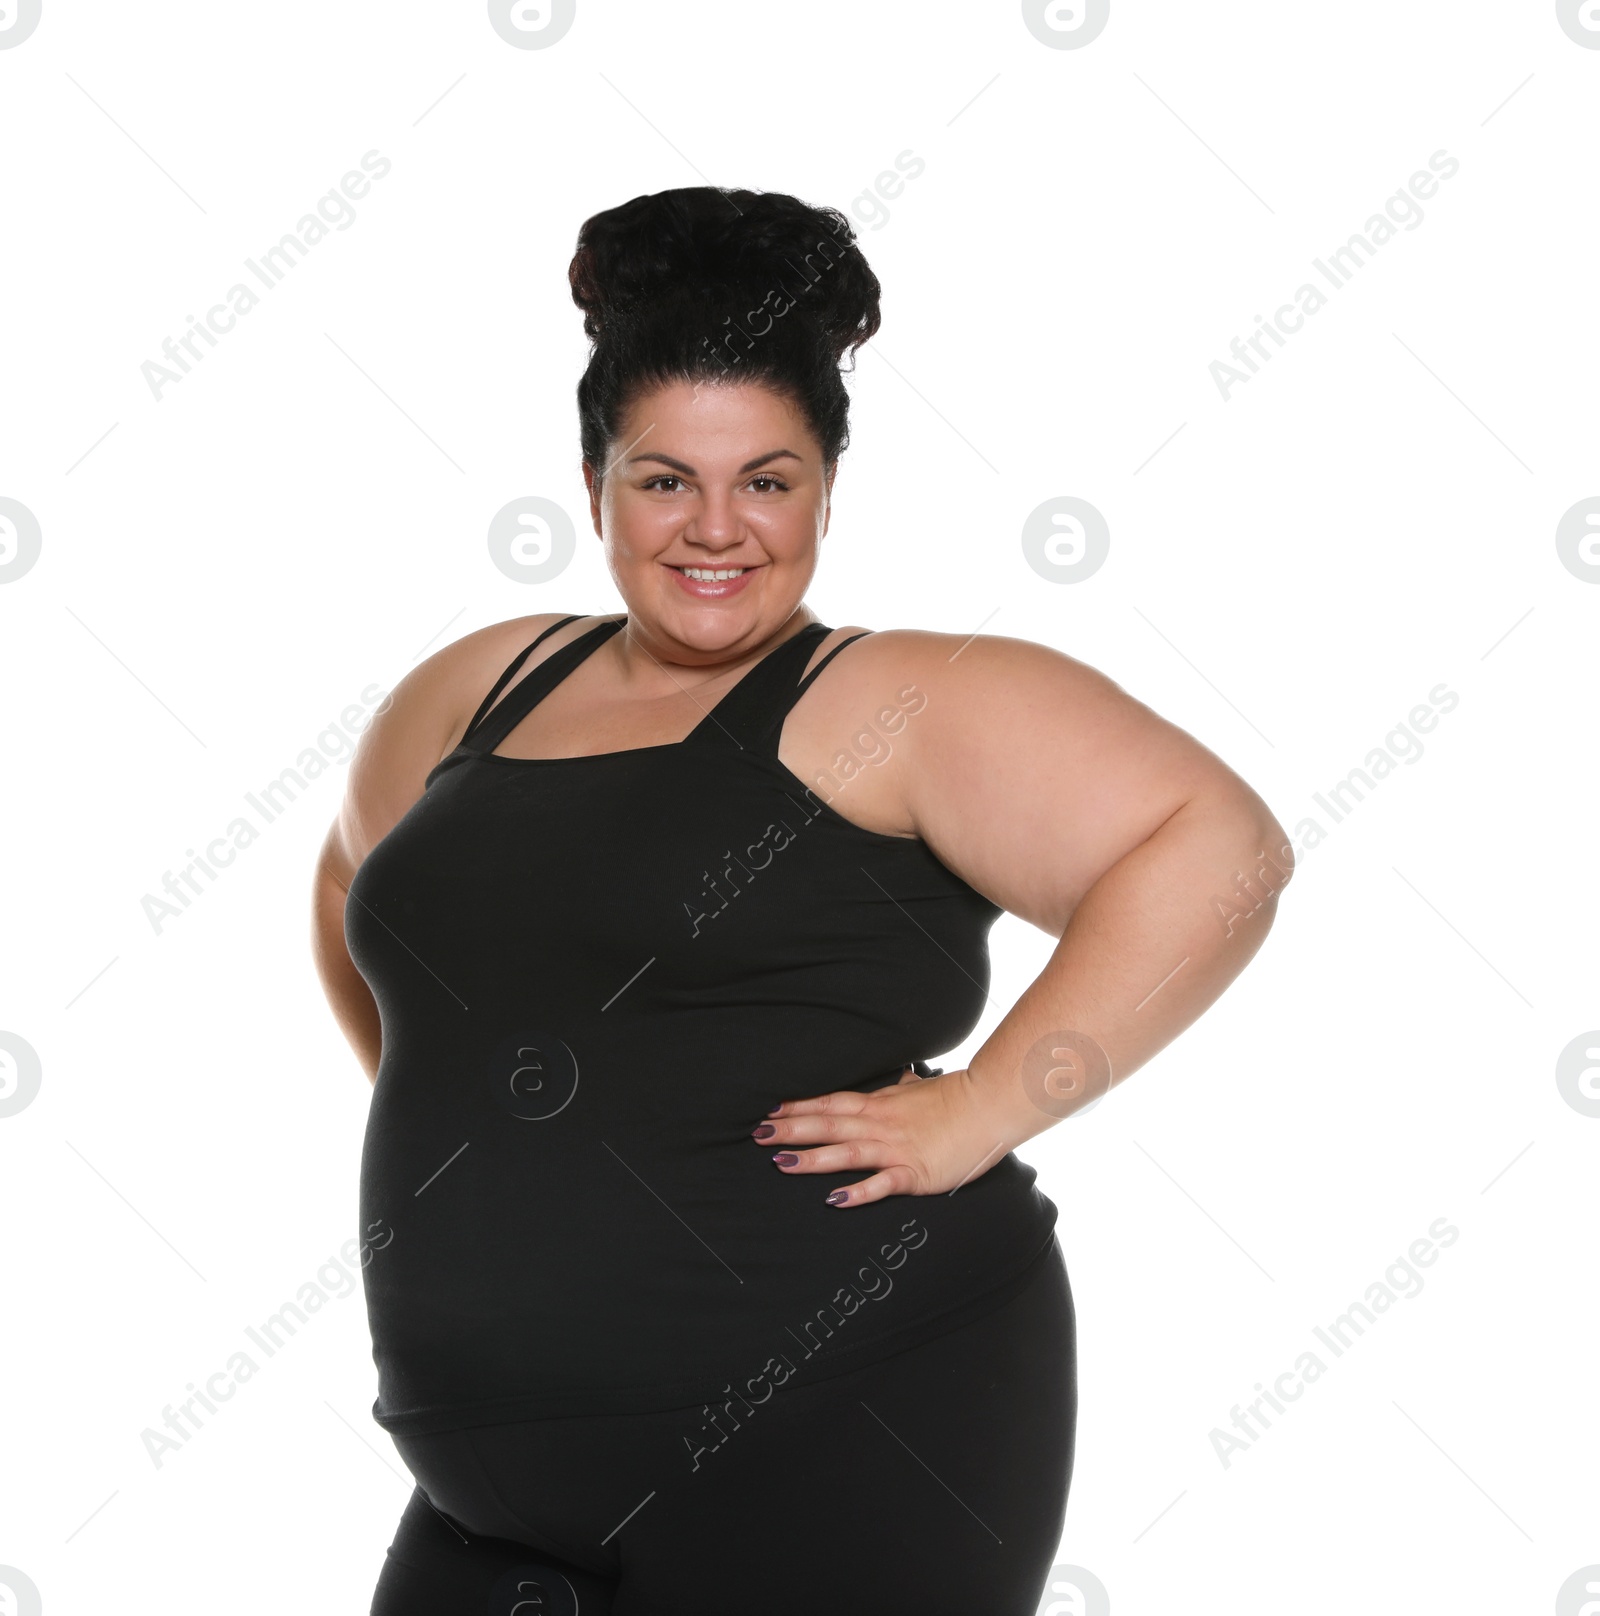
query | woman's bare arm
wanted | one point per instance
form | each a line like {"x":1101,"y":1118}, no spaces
{"x":350,"y":998}
{"x":421,"y":721}
{"x":1069,"y":802}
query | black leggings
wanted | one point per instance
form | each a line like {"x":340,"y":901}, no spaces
{"x":933,"y":1482}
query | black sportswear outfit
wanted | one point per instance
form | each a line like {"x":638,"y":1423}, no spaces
{"x":595,"y":976}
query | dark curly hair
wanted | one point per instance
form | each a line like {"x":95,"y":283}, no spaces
{"x":710,"y":284}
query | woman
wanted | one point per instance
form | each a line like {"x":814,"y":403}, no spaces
{"x":692,"y":1287}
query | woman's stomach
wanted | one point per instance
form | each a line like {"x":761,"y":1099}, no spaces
{"x":604,"y":1235}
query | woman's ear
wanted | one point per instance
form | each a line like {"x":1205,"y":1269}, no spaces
{"x":592,"y":483}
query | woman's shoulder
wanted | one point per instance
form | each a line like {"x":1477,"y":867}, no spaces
{"x":514,"y":635}
{"x":471,"y":666}
{"x":485,"y":653}
{"x":976,"y":693}
{"x":996,"y":687}
{"x":952,"y":660}
{"x":424,"y":717}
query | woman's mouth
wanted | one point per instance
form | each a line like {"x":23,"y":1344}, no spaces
{"x":712,"y":583}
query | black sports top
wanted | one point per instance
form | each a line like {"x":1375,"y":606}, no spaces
{"x":595,"y":975}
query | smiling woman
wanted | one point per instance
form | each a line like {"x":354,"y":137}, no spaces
{"x":740,"y":1102}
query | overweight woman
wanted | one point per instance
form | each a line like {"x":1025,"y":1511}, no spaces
{"x":693,"y":1286}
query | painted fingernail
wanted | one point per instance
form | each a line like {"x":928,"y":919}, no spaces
{"x":765,"y":1131}
{"x":786,"y":1158}
{"x":775,"y":1110}
{"x":838,"y":1198}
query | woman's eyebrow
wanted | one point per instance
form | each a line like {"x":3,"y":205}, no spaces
{"x":689,"y":471}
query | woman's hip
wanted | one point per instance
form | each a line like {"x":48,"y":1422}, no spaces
{"x":937,"y":1470}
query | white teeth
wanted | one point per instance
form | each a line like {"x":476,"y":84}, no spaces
{"x":706,"y":575}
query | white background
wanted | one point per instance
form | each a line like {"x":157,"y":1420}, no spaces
{"x":224,"y":571}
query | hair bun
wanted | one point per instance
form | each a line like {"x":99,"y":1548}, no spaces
{"x":704,"y":245}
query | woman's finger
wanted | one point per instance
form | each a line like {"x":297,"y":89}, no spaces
{"x":842,"y":1156}
{"x":892,"y":1181}
{"x":844,"y":1100}
{"x":837,"y":1099}
{"x":827,"y":1127}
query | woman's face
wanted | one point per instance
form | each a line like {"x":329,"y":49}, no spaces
{"x":714,"y":478}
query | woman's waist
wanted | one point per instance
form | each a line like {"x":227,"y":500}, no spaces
{"x":537,"y":1094}
{"x":631,"y":1232}
{"x":611,"y":1334}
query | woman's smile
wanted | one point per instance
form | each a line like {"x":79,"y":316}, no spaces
{"x":711,"y":583}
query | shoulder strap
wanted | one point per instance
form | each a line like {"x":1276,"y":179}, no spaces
{"x":751,"y":715}
{"x":505,"y":678}
{"x":738,"y":719}
{"x":529,"y":692}
{"x":805,"y":684}
{"x":773,"y":729}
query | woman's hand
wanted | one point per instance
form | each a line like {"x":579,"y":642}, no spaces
{"x":925,"y":1135}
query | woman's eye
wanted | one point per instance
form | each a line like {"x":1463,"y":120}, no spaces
{"x":668,"y":477}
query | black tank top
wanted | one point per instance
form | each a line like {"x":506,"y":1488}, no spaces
{"x":595,"y":976}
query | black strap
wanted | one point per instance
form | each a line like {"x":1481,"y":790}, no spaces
{"x":773,"y":728}
{"x":741,"y":717}
{"x":750,"y":715}
{"x":504,"y":679}
{"x":529,"y":692}
{"x":805,"y":684}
